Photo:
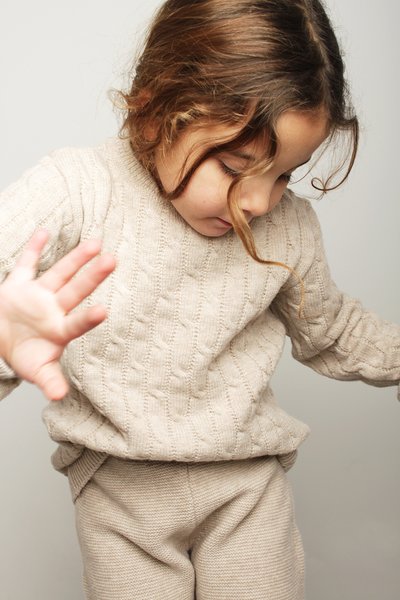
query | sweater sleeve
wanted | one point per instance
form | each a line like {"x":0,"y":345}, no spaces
{"x":40,"y":198}
{"x":335,"y":335}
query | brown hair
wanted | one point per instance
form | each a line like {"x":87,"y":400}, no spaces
{"x":241,"y":62}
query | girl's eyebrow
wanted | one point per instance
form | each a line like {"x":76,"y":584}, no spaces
{"x":241,"y":154}
{"x":246,"y":156}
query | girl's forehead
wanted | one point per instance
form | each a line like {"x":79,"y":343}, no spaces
{"x":290,"y":124}
{"x":299,"y":134}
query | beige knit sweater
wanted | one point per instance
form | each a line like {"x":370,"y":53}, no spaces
{"x":180,"y":369}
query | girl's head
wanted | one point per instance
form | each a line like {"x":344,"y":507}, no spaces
{"x":222,"y":82}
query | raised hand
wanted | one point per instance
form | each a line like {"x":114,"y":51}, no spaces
{"x":35,"y":324}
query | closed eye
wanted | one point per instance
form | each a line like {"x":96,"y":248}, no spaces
{"x":287,"y":177}
{"x":228,"y":170}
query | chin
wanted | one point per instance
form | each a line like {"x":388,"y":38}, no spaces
{"x":211,"y":232}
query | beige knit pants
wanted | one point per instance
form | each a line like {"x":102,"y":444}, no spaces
{"x":153,"y":530}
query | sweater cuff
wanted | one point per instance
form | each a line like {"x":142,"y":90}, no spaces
{"x":6,"y":371}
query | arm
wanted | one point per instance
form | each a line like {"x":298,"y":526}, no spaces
{"x":34,"y":320}
{"x":38,"y":198}
{"x":336,"y":337}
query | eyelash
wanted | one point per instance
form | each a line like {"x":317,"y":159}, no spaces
{"x":228,"y":170}
{"x":232,"y":173}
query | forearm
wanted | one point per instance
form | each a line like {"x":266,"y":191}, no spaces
{"x":368,"y":348}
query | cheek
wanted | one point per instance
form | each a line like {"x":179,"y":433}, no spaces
{"x":206,"y":188}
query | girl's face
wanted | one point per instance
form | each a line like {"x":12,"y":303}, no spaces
{"x":203,"y":204}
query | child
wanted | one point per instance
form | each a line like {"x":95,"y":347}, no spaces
{"x":167,"y":428}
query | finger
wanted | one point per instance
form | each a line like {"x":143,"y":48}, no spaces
{"x":26,"y":266}
{"x":60,"y":273}
{"x":51,"y":381}
{"x":78,"y":323}
{"x":72,"y":294}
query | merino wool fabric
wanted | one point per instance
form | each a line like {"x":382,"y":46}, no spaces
{"x":179,"y":531}
{"x":180,"y":370}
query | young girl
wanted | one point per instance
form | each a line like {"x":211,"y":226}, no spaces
{"x":168,"y":430}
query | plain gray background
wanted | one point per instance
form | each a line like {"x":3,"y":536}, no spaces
{"x":57,"y":62}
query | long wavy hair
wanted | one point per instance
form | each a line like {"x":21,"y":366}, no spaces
{"x":236,"y":62}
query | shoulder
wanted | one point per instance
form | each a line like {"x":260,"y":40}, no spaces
{"x":60,"y":168}
{"x":79,"y":162}
{"x":107,"y":163}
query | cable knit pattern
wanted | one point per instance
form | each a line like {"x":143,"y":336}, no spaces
{"x":180,"y":369}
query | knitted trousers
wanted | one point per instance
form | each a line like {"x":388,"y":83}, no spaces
{"x":153,"y":530}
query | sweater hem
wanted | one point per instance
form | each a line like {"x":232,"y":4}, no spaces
{"x":83,"y":469}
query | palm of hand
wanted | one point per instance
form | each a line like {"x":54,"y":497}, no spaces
{"x":35,"y":319}
{"x":36,"y":326}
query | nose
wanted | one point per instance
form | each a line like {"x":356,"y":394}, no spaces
{"x":255,"y":197}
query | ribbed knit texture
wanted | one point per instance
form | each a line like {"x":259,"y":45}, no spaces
{"x":175,"y":531}
{"x":180,"y":369}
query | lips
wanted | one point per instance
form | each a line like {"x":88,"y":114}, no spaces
{"x":223,"y":221}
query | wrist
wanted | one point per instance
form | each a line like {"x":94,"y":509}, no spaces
{"x":4,"y":333}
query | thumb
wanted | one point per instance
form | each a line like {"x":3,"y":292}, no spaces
{"x":51,"y":381}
